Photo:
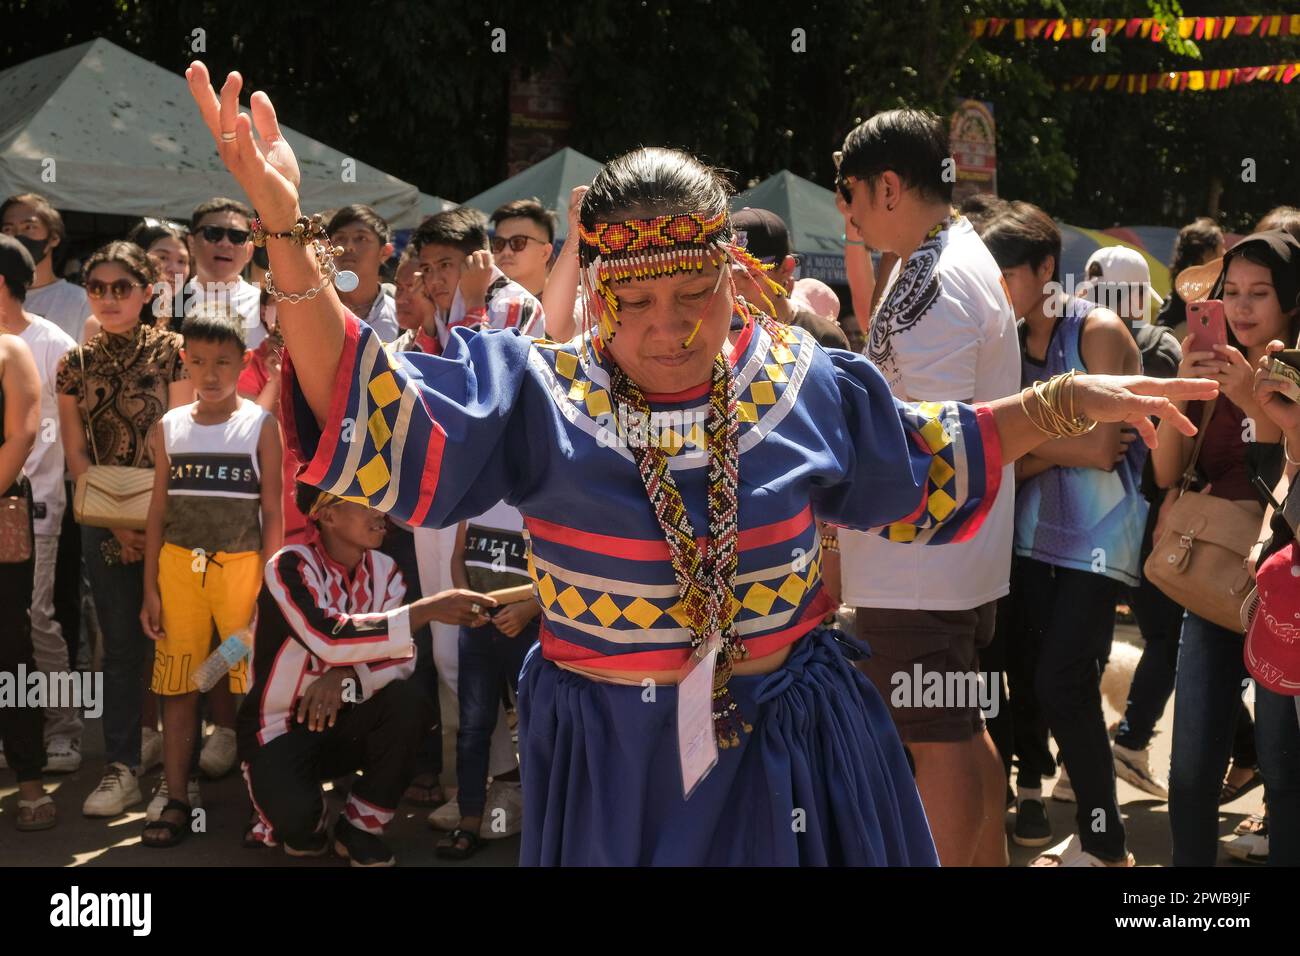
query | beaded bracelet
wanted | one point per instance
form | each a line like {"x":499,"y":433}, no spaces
{"x":306,"y":230}
{"x":830,"y":542}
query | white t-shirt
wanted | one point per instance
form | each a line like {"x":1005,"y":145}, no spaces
{"x":944,"y":330}
{"x":44,"y":468}
{"x":63,"y":303}
{"x":383,"y":317}
{"x":244,"y":297}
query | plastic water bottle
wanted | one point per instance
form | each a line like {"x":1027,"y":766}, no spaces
{"x":223,"y":660}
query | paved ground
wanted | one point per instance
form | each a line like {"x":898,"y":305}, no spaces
{"x":78,"y":841}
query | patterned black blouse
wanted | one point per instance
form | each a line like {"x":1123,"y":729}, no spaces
{"x":127,"y":377}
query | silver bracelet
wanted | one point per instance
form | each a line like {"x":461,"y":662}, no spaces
{"x":322,"y":254}
{"x":1286,"y":453}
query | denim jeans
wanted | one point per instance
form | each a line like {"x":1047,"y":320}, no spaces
{"x":1160,"y":621}
{"x":1207,"y":701}
{"x":1054,"y":669}
{"x":487,"y":660}
{"x":118,"y":590}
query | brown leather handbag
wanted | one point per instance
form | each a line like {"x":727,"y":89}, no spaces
{"x":110,"y":496}
{"x":16,"y":526}
{"x":1200,"y":560}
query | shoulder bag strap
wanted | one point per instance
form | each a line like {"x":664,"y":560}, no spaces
{"x":1189,"y":474}
{"x":85,"y":397}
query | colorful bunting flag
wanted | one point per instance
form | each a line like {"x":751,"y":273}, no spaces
{"x":1189,"y":28}
{"x":1186,"y":80}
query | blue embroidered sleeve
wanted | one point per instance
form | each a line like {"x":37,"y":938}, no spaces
{"x":429,"y":439}
{"x":925,"y":473}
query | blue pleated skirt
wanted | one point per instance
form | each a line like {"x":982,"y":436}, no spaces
{"x":822,"y":779}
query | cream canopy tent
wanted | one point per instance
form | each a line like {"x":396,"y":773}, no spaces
{"x":97,"y":129}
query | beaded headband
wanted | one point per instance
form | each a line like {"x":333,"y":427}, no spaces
{"x":637,"y":235}
{"x":616,"y":252}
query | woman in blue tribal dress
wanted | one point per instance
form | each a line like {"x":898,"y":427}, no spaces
{"x":670,"y":465}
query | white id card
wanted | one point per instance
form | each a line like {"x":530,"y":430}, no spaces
{"x":697,"y":744}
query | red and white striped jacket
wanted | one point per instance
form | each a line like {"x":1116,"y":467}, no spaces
{"x":315,"y":614}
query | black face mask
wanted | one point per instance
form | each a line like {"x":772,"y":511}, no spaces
{"x":35,"y":246}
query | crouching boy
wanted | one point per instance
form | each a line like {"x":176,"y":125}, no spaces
{"x":330,"y":693}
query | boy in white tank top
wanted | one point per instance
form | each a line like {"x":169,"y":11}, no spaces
{"x":215,"y":519}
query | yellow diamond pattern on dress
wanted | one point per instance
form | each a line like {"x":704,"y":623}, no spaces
{"x":762,"y":393}
{"x":378,"y":429}
{"x":792,"y":588}
{"x":571,"y":602}
{"x":598,"y":403}
{"x":671,"y":441}
{"x":372,"y":476}
{"x":814,"y":572}
{"x":902,"y":533}
{"x":697,"y":441}
{"x":642,"y":613}
{"x":759,"y":598}
{"x":747,"y":412}
{"x":546,"y":590}
{"x":566,"y":364}
{"x":606,"y":610}
{"x":940,"y":504}
{"x":384,"y":390}
{"x":578,"y":390}
{"x":934,"y":435}
{"x":941,"y":472}
{"x":775,"y":372}
{"x":586,"y":606}
{"x":677,"y":613}
{"x":782,"y":353}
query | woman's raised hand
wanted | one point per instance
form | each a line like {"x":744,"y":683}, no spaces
{"x":263,"y":165}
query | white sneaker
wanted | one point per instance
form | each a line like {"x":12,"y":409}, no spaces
{"x":151,"y":749}
{"x":161,"y":796}
{"x":447,"y":816}
{"x":116,"y":791}
{"x":1134,"y":766}
{"x":217,"y":758}
{"x":1063,"y":792}
{"x":1248,"y":848}
{"x":62,"y":755}
{"x":503,"y":814}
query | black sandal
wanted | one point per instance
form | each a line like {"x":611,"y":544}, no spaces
{"x":1228,"y":792}
{"x":176,"y":832}
{"x":448,"y":848}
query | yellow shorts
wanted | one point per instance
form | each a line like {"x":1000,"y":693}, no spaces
{"x":196,"y":594}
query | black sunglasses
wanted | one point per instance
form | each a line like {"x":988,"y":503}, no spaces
{"x":214,"y":233}
{"x":516,"y":243}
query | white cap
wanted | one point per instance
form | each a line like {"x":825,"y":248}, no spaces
{"x":1121,"y":269}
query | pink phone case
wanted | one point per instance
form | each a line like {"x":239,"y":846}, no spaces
{"x":1207,"y":325}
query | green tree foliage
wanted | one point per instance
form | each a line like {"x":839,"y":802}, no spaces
{"x":416,"y":88}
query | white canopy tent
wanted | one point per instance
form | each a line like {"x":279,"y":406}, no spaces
{"x":97,"y":129}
